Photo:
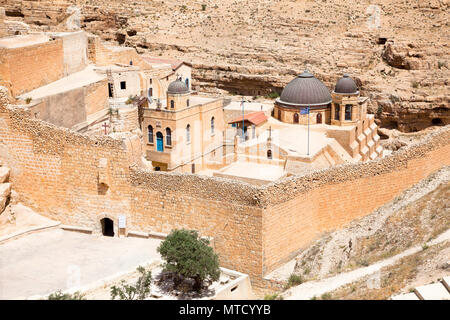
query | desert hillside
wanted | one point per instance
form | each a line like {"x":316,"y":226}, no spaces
{"x":398,"y":50}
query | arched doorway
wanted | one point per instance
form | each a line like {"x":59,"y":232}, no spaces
{"x":107,"y":227}
{"x":295,"y":117}
{"x":319,"y":118}
{"x":269,"y":154}
{"x":159,"y":142}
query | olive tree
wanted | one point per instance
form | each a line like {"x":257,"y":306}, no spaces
{"x":190,"y":256}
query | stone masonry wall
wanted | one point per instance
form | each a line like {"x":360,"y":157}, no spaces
{"x":78,"y":180}
{"x":101,"y":55}
{"x":30,"y":67}
{"x":299,"y":209}
{"x":96,"y":97}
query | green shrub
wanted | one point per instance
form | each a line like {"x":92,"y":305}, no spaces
{"x":130,"y":100}
{"x":203,"y":7}
{"x":273,"y":95}
{"x":139,"y":291}
{"x":363,"y":262}
{"x":380,"y":109}
{"x":326,"y":296}
{"x":187,"y":255}
{"x":28,"y":100}
{"x":58,"y":295}
{"x":274,"y":296}
{"x":294,"y":280}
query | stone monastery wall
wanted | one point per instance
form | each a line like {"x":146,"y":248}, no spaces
{"x":33,"y":66}
{"x":78,"y":180}
{"x":101,"y":55}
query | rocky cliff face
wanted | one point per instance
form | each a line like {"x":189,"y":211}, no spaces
{"x":397,"y":50}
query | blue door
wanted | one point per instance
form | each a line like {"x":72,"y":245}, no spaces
{"x":159,"y":142}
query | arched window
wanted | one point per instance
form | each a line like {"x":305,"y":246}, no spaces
{"x":269,"y":154}
{"x":212,"y":125}
{"x":172,"y":104}
{"x":187,"y":103}
{"x":150,"y":134}
{"x":188,"y":133}
{"x":337,"y":111}
{"x":168,"y":137}
{"x":150,"y":92}
{"x":187,"y":82}
{"x":279,"y":114}
{"x":319,"y":118}
{"x":295,"y":117}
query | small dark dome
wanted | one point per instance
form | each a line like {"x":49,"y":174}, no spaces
{"x":346,"y":85}
{"x":305,"y":90}
{"x":177,"y":87}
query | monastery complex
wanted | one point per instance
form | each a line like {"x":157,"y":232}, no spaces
{"x":92,"y":132}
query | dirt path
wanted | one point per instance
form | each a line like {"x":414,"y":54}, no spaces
{"x":312,"y":289}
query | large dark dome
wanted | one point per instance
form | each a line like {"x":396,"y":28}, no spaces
{"x":305,"y":90}
{"x":177,"y":87}
{"x":346,"y":85}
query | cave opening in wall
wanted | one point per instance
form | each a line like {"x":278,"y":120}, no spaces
{"x":107,"y":227}
{"x":437,"y":122}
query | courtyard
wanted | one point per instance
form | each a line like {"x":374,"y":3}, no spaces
{"x":42,"y":263}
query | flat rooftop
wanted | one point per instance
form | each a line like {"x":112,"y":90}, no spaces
{"x":293,"y":138}
{"x":117,"y":68}
{"x":249,"y":106}
{"x":193,"y":101}
{"x":23,"y":40}
{"x":157,"y":61}
{"x":253,"y":170}
{"x":73,"y":81}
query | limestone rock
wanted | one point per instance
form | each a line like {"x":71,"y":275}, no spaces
{"x":401,"y":56}
{"x":5,"y":191}
{"x":4,"y":174}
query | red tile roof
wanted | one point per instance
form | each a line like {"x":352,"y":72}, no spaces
{"x":255,"y":118}
{"x":173,"y":62}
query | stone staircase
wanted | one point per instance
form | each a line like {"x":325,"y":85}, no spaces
{"x":5,"y":187}
{"x":435,"y":291}
{"x":368,"y":142}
